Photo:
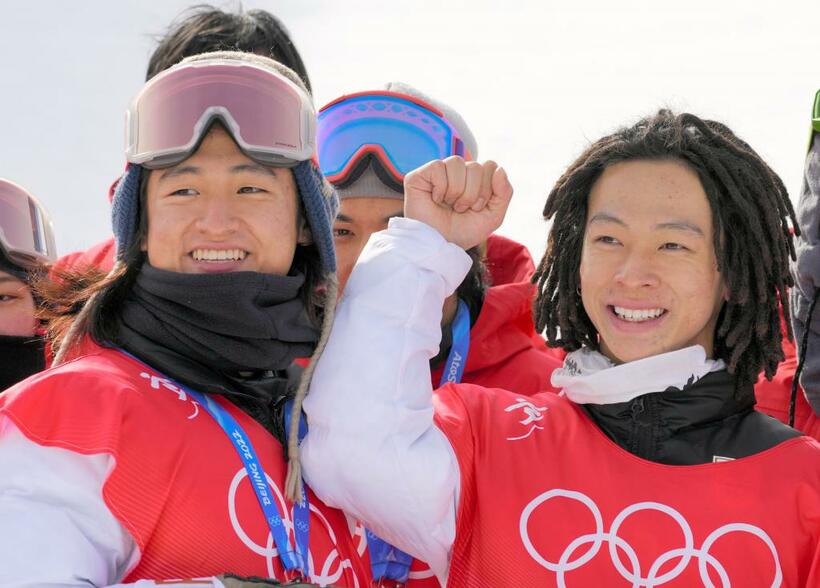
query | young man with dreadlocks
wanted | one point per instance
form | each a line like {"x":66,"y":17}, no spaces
{"x":666,"y":264}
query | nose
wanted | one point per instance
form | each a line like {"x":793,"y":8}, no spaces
{"x":637,"y":270}
{"x":217,"y":217}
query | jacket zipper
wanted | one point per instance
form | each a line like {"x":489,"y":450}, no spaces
{"x":642,"y":442}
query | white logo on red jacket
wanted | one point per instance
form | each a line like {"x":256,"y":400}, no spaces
{"x":574,"y":558}
{"x":158,"y":382}
{"x":331,"y":568}
{"x":532,"y":415}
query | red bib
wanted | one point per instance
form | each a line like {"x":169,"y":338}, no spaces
{"x":178,"y":486}
{"x":548,"y":500}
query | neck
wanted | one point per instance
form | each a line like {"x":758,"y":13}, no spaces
{"x":448,"y":314}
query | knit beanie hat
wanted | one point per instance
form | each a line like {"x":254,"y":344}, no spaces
{"x":369,"y":185}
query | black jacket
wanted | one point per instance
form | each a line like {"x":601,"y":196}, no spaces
{"x":702,"y":423}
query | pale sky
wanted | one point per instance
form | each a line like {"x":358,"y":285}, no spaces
{"x":536,"y":81}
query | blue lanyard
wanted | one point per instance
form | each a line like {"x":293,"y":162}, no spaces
{"x":460,"y":347}
{"x":386,"y":561}
{"x":292,"y":560}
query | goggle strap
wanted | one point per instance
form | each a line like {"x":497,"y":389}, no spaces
{"x":386,"y":177}
{"x":355,"y":171}
{"x":371,"y":160}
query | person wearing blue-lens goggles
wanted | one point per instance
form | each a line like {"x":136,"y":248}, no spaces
{"x":367,"y":142}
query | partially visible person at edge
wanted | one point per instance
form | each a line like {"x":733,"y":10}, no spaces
{"x":26,"y":250}
{"x":649,"y":468}
{"x":367,"y":142}
{"x":154,"y":434}
{"x":793,"y":402}
{"x":202,"y":29}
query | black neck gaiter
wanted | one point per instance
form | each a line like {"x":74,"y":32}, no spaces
{"x":20,"y":357}
{"x":232,"y":322}
{"x":233,"y":334}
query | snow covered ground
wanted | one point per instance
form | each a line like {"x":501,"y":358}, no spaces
{"x":535,"y":80}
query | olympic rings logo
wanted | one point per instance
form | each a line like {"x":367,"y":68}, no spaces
{"x":332,"y":568}
{"x":617,"y":544}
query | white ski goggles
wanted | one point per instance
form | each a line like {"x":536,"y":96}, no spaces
{"x":271,"y":119}
{"x":26,"y":234}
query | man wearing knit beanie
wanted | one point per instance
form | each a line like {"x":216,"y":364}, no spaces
{"x":498,"y":343}
{"x":173,"y":385}
{"x":201,"y":29}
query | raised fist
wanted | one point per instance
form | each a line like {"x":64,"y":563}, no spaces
{"x":465,"y":201}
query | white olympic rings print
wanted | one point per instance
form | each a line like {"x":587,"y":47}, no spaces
{"x":324,"y":576}
{"x":615,"y":543}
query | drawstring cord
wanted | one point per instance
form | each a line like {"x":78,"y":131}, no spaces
{"x":801,"y":354}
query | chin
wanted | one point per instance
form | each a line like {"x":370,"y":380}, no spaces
{"x":626,"y":354}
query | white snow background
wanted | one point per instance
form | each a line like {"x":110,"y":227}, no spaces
{"x":536,"y":81}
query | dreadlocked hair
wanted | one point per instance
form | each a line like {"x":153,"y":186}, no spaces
{"x":752,"y":218}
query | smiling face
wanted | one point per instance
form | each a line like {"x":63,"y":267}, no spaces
{"x":359,"y":218}
{"x":220,"y":211}
{"x":649,"y":279}
{"x":17,"y":307}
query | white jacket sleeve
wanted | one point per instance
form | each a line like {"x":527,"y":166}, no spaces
{"x":55,"y":528}
{"x":372,"y":449}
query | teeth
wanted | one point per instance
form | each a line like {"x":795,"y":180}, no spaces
{"x":637,"y":316}
{"x":219,"y":254}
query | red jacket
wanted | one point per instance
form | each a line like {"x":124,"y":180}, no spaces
{"x":547,"y":499}
{"x":505,"y":350}
{"x":773,"y":396}
{"x":178,"y":487}
{"x":100,"y":256}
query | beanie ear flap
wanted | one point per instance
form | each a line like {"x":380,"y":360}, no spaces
{"x":321,"y":203}
{"x":125,"y":208}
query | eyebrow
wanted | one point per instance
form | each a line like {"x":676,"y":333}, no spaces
{"x":11,"y":279}
{"x":253,"y":168}
{"x":675,"y":225}
{"x":180,"y":170}
{"x":346,"y":219}
{"x":605,"y":217}
{"x":681,"y":226}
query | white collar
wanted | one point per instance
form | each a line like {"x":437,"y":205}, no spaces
{"x":588,"y":377}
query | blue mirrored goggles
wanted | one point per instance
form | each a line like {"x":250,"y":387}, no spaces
{"x":400,"y":131}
